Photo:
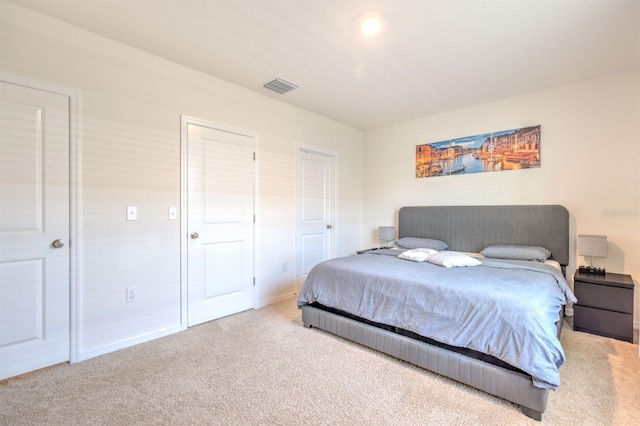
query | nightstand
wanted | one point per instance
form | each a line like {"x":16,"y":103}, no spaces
{"x":605,"y":305}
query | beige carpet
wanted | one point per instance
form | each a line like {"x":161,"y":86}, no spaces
{"x":262,"y":367}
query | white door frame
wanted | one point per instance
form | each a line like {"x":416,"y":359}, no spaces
{"x":184,"y":238}
{"x":75,"y":226}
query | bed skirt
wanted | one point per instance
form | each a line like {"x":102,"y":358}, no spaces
{"x":510,"y":385}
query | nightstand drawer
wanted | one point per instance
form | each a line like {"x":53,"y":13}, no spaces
{"x":603,"y":323}
{"x":604,"y":297}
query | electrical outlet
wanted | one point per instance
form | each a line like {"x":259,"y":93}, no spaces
{"x":132,"y":294}
{"x":132,"y":213}
{"x":285,"y":266}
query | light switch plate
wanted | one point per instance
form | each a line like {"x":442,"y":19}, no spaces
{"x":173,"y":213}
{"x":132,"y":213}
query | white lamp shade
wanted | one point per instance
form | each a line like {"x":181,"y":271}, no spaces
{"x":592,"y":245}
{"x":387,"y":233}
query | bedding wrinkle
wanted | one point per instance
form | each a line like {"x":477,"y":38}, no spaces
{"x":507,"y":309}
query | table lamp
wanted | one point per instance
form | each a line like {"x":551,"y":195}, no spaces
{"x":592,"y":246}
{"x":386,"y":234}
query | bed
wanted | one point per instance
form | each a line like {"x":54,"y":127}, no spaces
{"x":432,"y":316}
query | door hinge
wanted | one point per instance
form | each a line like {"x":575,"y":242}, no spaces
{"x":254,"y":156}
{"x":254,"y":281}
{"x":254,"y":218}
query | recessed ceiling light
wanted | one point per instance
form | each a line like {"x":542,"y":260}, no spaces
{"x":370,"y":26}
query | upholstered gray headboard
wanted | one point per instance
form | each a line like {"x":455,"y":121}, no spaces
{"x":472,"y":228}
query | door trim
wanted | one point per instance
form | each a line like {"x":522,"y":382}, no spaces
{"x":185,"y":120}
{"x":75,"y":203}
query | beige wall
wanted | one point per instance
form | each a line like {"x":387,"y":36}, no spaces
{"x":130,"y":156}
{"x":590,"y":153}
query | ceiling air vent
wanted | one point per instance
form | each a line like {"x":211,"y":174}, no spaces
{"x":280,"y":86}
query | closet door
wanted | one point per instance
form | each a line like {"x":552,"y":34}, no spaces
{"x":220,"y":240}
{"x":34,"y":229}
{"x":315,"y":211}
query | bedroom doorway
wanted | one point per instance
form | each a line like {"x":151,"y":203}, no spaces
{"x":315,"y":217}
{"x":34,"y":228}
{"x":219,"y":228}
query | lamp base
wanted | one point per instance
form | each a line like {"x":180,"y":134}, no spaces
{"x":591,"y":270}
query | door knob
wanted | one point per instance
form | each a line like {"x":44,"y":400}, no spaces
{"x":194,"y":235}
{"x":329,"y":226}
{"x":58,"y":244}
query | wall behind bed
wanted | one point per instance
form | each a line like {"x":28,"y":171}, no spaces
{"x":590,"y":150}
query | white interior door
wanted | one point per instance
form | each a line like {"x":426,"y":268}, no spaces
{"x":315,"y":210}
{"x":34,"y":229}
{"x":220,"y":244}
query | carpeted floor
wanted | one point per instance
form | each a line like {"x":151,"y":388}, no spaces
{"x":262,"y":367}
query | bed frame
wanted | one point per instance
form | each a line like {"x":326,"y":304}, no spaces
{"x":470,"y":229}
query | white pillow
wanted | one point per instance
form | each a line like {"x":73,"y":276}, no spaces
{"x":417,"y":255}
{"x":450,"y":259}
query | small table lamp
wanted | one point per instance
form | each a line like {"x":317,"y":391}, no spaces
{"x":593,"y":246}
{"x":387,"y":233}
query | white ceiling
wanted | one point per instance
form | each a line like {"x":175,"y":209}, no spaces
{"x":432,"y":55}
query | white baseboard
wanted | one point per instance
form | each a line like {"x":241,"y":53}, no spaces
{"x":132,"y":341}
{"x":276,"y":299}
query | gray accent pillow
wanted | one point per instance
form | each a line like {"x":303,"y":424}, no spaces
{"x":516,"y":252}
{"x":414,"y":243}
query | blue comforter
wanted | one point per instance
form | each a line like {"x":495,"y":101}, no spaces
{"x":503,"y":308}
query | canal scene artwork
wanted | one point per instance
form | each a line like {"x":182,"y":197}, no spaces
{"x":489,"y":152}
